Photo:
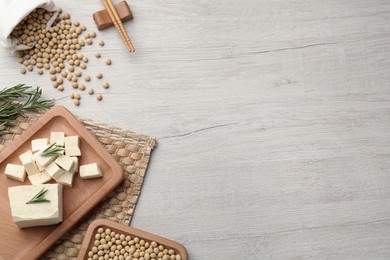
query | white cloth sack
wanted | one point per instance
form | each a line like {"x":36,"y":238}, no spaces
{"x":12,"y":12}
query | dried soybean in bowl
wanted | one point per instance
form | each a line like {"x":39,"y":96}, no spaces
{"x":108,"y":244}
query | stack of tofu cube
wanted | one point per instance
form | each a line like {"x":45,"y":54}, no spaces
{"x":40,"y":170}
{"x":60,"y":167}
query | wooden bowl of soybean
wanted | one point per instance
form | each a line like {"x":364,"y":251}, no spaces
{"x":106,"y":239}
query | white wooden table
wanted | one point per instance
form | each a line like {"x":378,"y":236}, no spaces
{"x":272,"y":117}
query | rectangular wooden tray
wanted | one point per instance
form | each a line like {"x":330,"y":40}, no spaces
{"x":126,"y":230}
{"x":30,"y":243}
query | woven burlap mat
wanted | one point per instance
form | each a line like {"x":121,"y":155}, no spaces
{"x":130,"y":149}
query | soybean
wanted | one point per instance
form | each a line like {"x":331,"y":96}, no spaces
{"x":99,"y":97}
{"x":105,"y":85}
{"x":81,"y":86}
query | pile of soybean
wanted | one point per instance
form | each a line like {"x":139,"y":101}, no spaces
{"x":109,"y":245}
{"x":56,"y":50}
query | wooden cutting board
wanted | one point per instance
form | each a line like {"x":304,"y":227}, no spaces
{"x":30,"y":243}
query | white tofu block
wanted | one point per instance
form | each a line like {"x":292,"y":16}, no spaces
{"x":26,"y":157}
{"x":40,"y":167}
{"x":16,"y":172}
{"x":65,"y":162}
{"x":76,"y":164}
{"x":28,"y":162}
{"x":72,"y":141}
{"x":54,"y":170}
{"x":35,"y":214}
{"x":58,"y":138}
{"x":72,"y":151}
{"x":66,"y":179}
{"x":39,"y":178}
{"x":31,"y":168}
{"x":39,"y":144}
{"x":43,"y":160}
{"x":91,"y":170}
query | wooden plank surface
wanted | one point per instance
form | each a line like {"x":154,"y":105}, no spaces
{"x":272,"y":118}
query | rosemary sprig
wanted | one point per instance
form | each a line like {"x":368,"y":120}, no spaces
{"x":39,"y":197}
{"x":33,"y":102}
{"x":18,"y":91}
{"x":16,"y":100}
{"x":52,"y":150}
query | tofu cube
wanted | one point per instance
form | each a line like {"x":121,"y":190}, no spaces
{"x":16,"y":172}
{"x":43,"y":161}
{"x":76,"y":164}
{"x":39,"y":144}
{"x":28,"y":162}
{"x":58,"y":138}
{"x":65,"y":162}
{"x":36,"y":214}
{"x":40,"y":167}
{"x":72,"y":151}
{"x":26,"y":157}
{"x":66,"y":178}
{"x":54,"y":170}
{"x":31,"y":168}
{"x":72,"y":141}
{"x":91,"y":170}
{"x":39,"y":178}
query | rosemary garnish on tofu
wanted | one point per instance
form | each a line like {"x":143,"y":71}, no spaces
{"x":52,"y":150}
{"x":40,"y":197}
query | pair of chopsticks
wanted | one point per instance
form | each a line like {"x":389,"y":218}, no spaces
{"x":118,"y":24}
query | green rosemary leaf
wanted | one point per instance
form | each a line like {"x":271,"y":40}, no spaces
{"x":33,"y":101}
{"x":39,"y":197}
{"x":18,"y":91}
{"x":52,"y":150}
{"x":16,"y":100}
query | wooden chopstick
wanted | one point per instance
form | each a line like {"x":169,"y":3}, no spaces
{"x":118,"y":24}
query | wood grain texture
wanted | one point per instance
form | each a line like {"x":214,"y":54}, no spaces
{"x":272,"y":118}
